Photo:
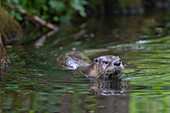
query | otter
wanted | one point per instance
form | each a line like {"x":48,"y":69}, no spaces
{"x":108,"y":66}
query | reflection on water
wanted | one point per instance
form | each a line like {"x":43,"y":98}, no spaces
{"x":56,"y":98}
{"x":108,"y":87}
{"x":34,"y":84}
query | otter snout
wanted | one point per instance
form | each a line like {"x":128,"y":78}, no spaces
{"x":117,"y":63}
{"x":115,"y":68}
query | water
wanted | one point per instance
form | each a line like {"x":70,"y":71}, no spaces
{"x":35,"y":85}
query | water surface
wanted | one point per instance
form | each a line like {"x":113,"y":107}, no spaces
{"x":35,"y":85}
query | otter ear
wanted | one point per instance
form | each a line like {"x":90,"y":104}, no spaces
{"x":96,"y":60}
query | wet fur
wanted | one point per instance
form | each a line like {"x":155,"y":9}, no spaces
{"x":99,"y":69}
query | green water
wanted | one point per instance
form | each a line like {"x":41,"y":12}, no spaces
{"x":34,"y":84}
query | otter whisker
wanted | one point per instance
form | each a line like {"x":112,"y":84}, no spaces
{"x":100,"y":73}
{"x":104,"y":75}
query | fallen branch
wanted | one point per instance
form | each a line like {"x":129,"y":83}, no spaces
{"x":34,"y":17}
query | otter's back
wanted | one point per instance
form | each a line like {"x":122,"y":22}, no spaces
{"x":72,"y":60}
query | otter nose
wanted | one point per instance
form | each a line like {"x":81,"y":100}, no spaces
{"x":117,"y":63}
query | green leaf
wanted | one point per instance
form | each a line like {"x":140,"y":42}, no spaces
{"x":55,"y":18}
{"x":57,"y":5}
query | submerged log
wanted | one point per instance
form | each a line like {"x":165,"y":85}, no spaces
{"x":10,"y":31}
{"x":4,"y":60}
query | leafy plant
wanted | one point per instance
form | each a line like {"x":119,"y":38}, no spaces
{"x":51,"y":10}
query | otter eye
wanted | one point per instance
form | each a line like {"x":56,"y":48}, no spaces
{"x":106,"y":62}
{"x":96,"y":60}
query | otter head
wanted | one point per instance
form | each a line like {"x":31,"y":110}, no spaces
{"x":108,"y":66}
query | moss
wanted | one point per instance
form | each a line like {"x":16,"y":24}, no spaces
{"x":10,"y":29}
{"x":2,"y":49}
